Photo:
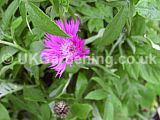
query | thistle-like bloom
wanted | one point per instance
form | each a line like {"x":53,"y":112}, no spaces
{"x":61,"y":51}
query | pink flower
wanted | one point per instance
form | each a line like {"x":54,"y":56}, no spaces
{"x":61,"y":51}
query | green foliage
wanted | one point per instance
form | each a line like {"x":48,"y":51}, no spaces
{"x":81,"y":85}
{"x":113,"y":89}
{"x":96,"y":15}
{"x":83,"y":110}
{"x":114,"y":28}
{"x":42,"y":21}
{"x":32,"y":94}
{"x":96,"y":95}
{"x":8,"y":88}
{"x":3,"y":53}
{"x":149,"y":9}
{"x":4,"y":113}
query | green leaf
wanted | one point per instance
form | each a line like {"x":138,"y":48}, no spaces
{"x":18,"y":102}
{"x":116,"y":3}
{"x":71,"y":12}
{"x":81,"y":85}
{"x":34,"y":55}
{"x":33,"y":94}
{"x":148,"y":96}
{"x":45,"y":112}
{"x":4,"y":115}
{"x":2,"y":2}
{"x":93,"y":26}
{"x":15,"y":24}
{"x":83,"y":110}
{"x":74,"y":69}
{"x":122,"y":114}
{"x":7,"y":67}
{"x":105,"y":11}
{"x":37,"y":0}
{"x":7,"y":52}
{"x":34,"y":108}
{"x":22,"y":10}
{"x":9,"y":12}
{"x":149,"y":9}
{"x":108,"y":111}
{"x":101,"y":11}
{"x":96,"y":113}
{"x":35,"y":73}
{"x":114,"y":29}
{"x":96,"y":95}
{"x":139,"y":25}
{"x":56,"y":5}
{"x":133,"y":70}
{"x":150,"y":73}
{"x":43,"y":22}
{"x":100,"y":82}
{"x":36,"y":46}
{"x":133,"y":107}
{"x":8,"y":88}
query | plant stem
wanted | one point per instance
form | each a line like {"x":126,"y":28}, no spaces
{"x":13,"y":45}
{"x":66,"y":85}
{"x":120,"y":39}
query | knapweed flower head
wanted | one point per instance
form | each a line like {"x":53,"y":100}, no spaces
{"x":61,"y":51}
